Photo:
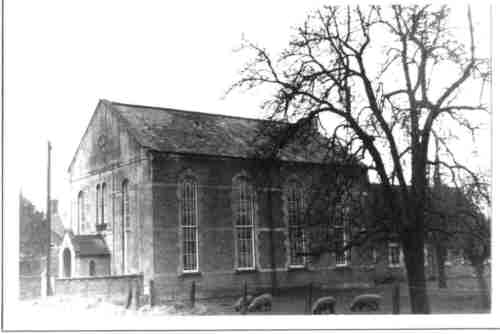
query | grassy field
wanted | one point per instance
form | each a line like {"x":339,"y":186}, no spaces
{"x":461,"y":296}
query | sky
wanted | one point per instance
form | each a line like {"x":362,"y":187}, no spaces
{"x":61,"y":57}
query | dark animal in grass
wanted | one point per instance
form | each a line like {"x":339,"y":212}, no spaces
{"x":324,"y":305}
{"x":238,"y":306}
{"x":261,"y":303}
{"x":368,"y":302}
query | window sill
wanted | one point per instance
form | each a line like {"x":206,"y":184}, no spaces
{"x":244,"y":271}
{"x":190,"y":274}
{"x":298,"y":268}
{"x":342,"y":266}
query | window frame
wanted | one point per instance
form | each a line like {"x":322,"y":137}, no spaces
{"x":103,"y":203}
{"x":80,"y":212}
{"x":343,"y":225}
{"x":97,"y":202}
{"x":295,"y":188}
{"x":125,"y":221}
{"x":390,"y":246}
{"x":245,"y":193}
{"x":182,"y":227}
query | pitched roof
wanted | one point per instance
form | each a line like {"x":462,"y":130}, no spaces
{"x":172,"y":130}
{"x":89,"y":245}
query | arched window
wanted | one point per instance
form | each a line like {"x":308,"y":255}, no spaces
{"x":80,"y":212}
{"x":189,"y":225}
{"x":245,"y":225}
{"x":340,"y":225}
{"x":97,"y":194}
{"x":103,"y":204}
{"x":125,"y":222}
{"x":295,"y":207}
{"x":67,"y":263}
{"x":91,"y":268}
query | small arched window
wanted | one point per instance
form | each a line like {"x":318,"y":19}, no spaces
{"x":91,"y":268}
{"x":80,"y":212}
{"x":245,"y":225}
{"x":295,"y":206}
{"x":66,"y":263}
{"x":189,"y":224}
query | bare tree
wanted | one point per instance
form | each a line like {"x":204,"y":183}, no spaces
{"x":384,"y":113}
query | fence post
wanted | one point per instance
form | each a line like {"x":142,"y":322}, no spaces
{"x":129,"y":296}
{"x":395,"y":298}
{"x":244,"y":306}
{"x":192,"y":295}
{"x":137,"y":295}
{"x":152,"y":297}
{"x":308,"y":299}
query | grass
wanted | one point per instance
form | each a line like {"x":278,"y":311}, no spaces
{"x":461,"y":296}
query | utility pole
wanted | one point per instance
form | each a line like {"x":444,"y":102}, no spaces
{"x":49,"y":217}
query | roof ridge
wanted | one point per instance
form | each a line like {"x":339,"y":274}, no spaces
{"x":194,"y":112}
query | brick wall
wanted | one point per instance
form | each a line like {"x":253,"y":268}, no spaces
{"x":112,"y":288}
{"x":102,"y":265}
{"x":230,"y":283}
{"x":30,"y":286}
{"x":216,"y":232}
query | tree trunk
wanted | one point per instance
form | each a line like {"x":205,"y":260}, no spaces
{"x":441,"y":269}
{"x":483,"y":286}
{"x":413,"y":246}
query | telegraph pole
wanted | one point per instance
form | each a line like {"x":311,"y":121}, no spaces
{"x":49,"y":217}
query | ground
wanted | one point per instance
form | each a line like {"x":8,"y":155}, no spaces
{"x":461,"y":296}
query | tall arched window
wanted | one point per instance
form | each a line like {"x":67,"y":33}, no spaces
{"x":189,"y":225}
{"x":125,"y":223}
{"x":103,"y":204}
{"x":245,"y":225}
{"x":97,"y":203}
{"x":295,"y":206}
{"x":340,"y":225}
{"x":80,"y":212}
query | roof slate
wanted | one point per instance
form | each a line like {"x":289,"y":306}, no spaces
{"x":171,"y":130}
{"x":90,"y":245}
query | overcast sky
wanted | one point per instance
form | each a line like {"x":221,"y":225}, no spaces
{"x":63,"y":56}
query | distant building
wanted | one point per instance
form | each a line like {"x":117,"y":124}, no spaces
{"x":33,"y":241}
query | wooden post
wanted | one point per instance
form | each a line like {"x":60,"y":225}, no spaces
{"x":310,"y":296}
{"x":192,"y":294}
{"x":244,"y":306}
{"x":152,"y":297}
{"x":129,"y":296}
{"x":395,"y":298}
{"x":137,"y":295}
{"x":308,"y":299}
